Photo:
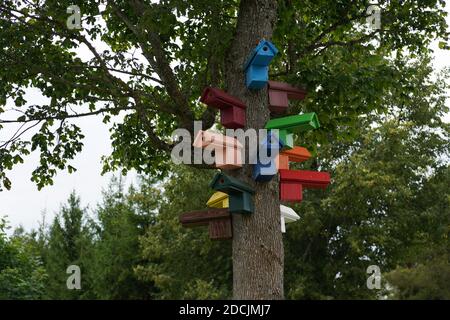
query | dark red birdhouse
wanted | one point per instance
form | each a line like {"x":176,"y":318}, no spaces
{"x":280,"y":93}
{"x":232,"y":110}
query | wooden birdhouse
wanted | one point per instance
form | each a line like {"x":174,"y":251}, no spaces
{"x":295,"y":123}
{"x":218,"y":200}
{"x":296,"y":154}
{"x":280,"y":93}
{"x":227,"y":150}
{"x":217,"y":220}
{"x":257,"y":65}
{"x":264,"y":171}
{"x":287,"y":215}
{"x":232,"y":110}
{"x":240,"y":194}
{"x":292,"y":183}
{"x":288,"y":125}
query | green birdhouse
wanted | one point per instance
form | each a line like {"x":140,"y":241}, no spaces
{"x":286,"y":138}
{"x":296,"y":123}
{"x":240,"y":194}
{"x":288,"y":125}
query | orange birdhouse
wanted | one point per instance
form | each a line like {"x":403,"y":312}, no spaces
{"x":296,"y":154}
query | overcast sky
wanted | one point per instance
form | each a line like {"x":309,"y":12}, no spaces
{"x":24,"y":204}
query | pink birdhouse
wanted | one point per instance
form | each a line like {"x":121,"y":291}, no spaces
{"x":227,"y":150}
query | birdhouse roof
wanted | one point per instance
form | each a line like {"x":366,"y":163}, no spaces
{"x":293,"y":92}
{"x":217,"y":98}
{"x":205,"y":138}
{"x":216,"y":198}
{"x":259,"y":47}
{"x":225,"y":183}
{"x":297,"y":154}
{"x":299,"y":122}
{"x":289,"y":214}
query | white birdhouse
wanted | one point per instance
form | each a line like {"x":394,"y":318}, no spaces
{"x":287,"y":215}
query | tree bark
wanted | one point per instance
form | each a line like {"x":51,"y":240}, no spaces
{"x":258,"y":255}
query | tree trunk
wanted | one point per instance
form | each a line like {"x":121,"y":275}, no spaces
{"x":258,"y":255}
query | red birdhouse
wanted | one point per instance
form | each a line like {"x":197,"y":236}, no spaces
{"x":280,"y":93}
{"x":232,"y":110}
{"x":293,"y":181}
{"x":217,"y":220}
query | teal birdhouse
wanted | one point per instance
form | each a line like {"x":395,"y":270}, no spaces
{"x":240,"y":194}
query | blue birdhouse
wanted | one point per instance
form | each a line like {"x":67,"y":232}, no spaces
{"x":272,"y":143}
{"x":264,"y":172}
{"x":257,"y":65}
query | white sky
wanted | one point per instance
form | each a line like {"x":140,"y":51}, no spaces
{"x":24,"y":204}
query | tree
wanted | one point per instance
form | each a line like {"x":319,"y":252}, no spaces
{"x":182,"y":263}
{"x":324,"y":45}
{"x":68,"y":244}
{"x":388,"y":204}
{"x":120,"y":220}
{"x":22,"y":275}
{"x":424,"y":272}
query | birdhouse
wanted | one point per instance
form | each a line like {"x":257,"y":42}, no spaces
{"x":296,"y":154}
{"x":218,"y":200}
{"x":263,"y":172}
{"x":291,"y":191}
{"x":287,"y":138}
{"x":280,"y":93}
{"x":217,"y":220}
{"x":287,"y":215}
{"x":240,"y":194}
{"x":257,"y":65}
{"x":232,"y":110}
{"x":288,"y":125}
{"x":292,"y":183}
{"x":227,"y":150}
{"x":296,"y":123}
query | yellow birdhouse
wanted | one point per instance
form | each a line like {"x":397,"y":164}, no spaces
{"x":218,"y":200}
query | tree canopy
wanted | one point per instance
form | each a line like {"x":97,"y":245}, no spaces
{"x":150,"y":61}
